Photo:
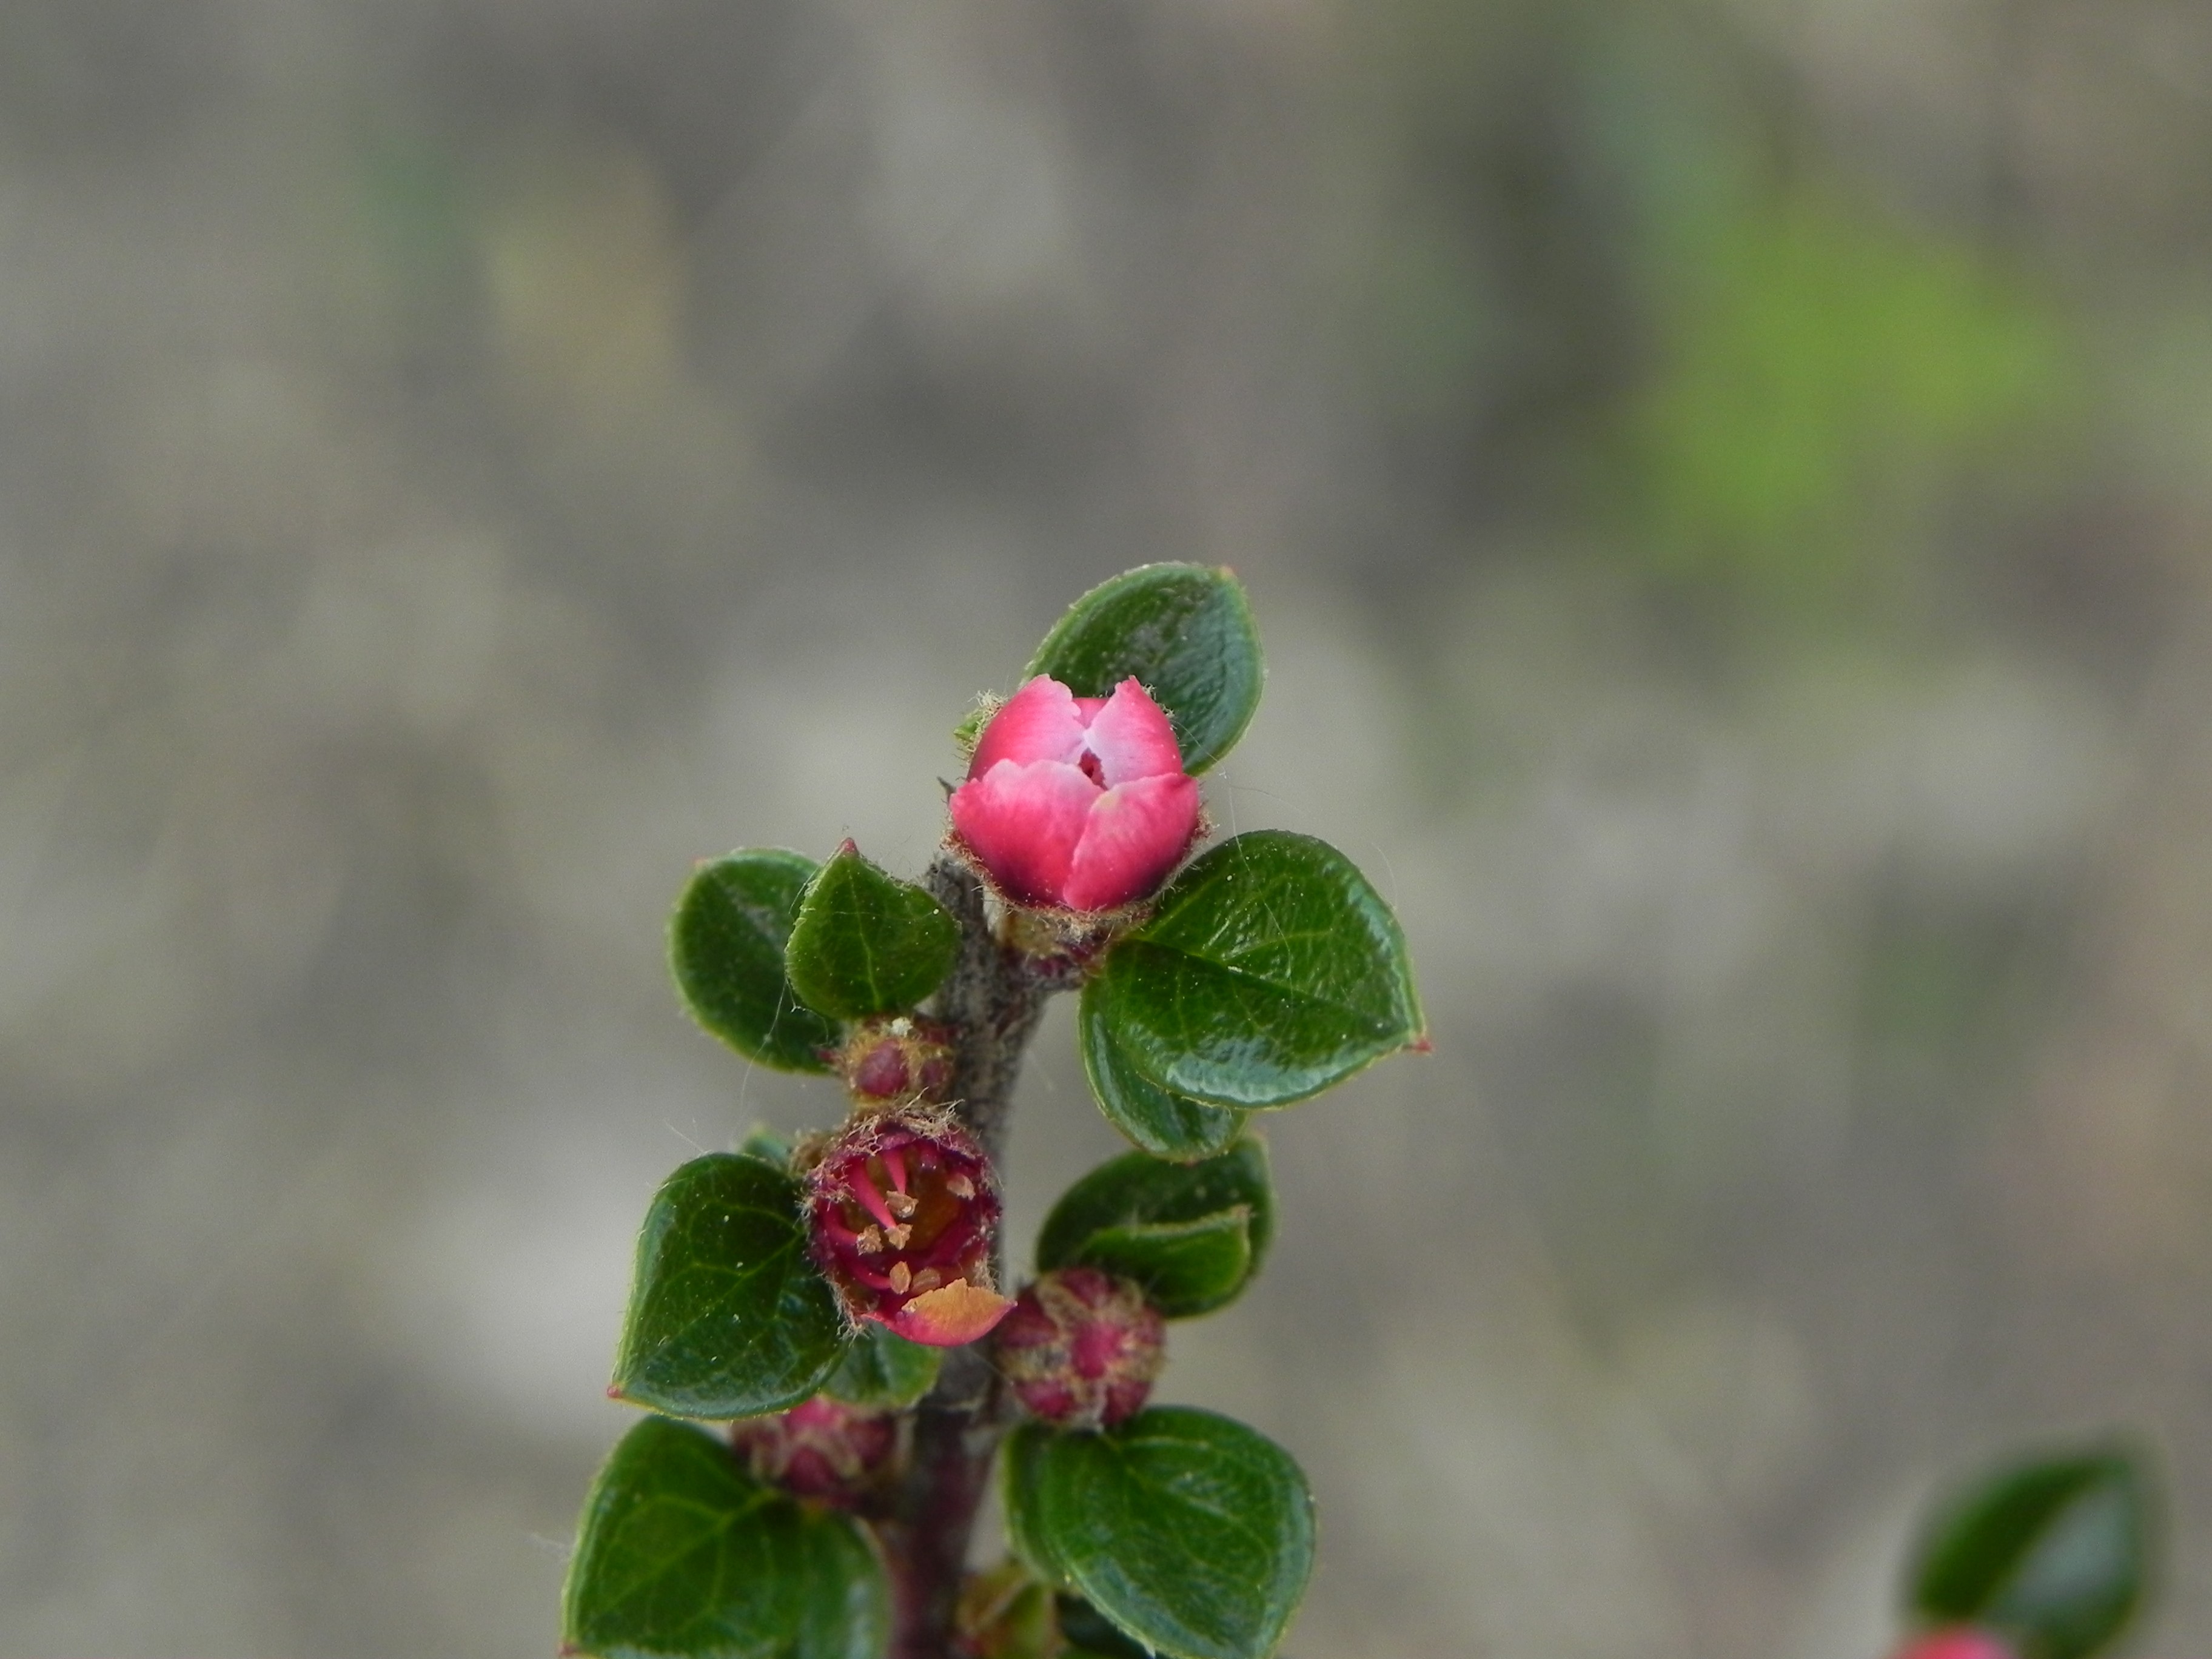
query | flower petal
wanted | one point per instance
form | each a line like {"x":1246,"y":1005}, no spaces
{"x":1023,"y":822}
{"x":949,"y":1315}
{"x":1039,"y":722}
{"x":1133,"y":837}
{"x":1131,"y":738}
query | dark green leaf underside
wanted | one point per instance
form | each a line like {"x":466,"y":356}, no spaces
{"x":1185,"y":632}
{"x":2053,"y":1554}
{"x":880,"y":1369}
{"x":1088,"y":1632}
{"x":1271,"y":970}
{"x":681,"y":1552}
{"x":1191,"y":1533}
{"x":866,"y":943}
{"x":728,"y":1317}
{"x":1164,"y":1124}
{"x":726,"y":949}
{"x":1192,"y":1234}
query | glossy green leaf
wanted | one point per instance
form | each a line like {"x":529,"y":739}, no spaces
{"x":1191,"y":1234}
{"x":1166,"y":1125}
{"x":1270,"y":970}
{"x":1192,"y":1534}
{"x":726,"y":946}
{"x":681,"y":1552}
{"x":1186,"y":1267}
{"x":1185,"y":632}
{"x":2053,"y":1554}
{"x":880,"y":1369}
{"x":728,"y":1317}
{"x":866,"y":943}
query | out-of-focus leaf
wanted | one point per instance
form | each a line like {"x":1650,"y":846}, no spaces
{"x":1821,"y":368}
{"x":2053,"y":1554}
{"x":768,"y":1146}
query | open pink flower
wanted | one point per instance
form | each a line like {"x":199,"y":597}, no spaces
{"x":1079,"y":802}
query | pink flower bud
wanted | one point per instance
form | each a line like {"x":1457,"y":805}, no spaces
{"x":1081,"y":1348}
{"x":1077,"y":803}
{"x":1957,"y":1642}
{"x":897,"y":1060}
{"x":823,"y":1449}
{"x":902,"y":1206}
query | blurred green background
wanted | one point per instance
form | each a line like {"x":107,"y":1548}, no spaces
{"x":1726,"y":487}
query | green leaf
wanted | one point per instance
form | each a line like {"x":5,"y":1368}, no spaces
{"x":1191,"y":1234}
{"x":881,"y":1369}
{"x":1165,"y":1125}
{"x":1186,"y":1267}
{"x":1191,"y":1533}
{"x":1270,"y":970}
{"x":725,"y":946}
{"x":866,"y":943}
{"x":681,"y":1552}
{"x":1185,"y":632}
{"x":2053,"y":1554}
{"x":1020,"y":1466}
{"x":728,"y":1317}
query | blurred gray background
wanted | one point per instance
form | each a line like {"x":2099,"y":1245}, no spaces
{"x":1725,"y":485}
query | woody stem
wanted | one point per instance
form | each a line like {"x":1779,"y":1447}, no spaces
{"x":992,"y":1000}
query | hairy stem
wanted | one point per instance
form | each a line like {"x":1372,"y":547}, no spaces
{"x":994,"y":999}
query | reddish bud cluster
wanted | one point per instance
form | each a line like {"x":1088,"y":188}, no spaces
{"x":822,"y":1449}
{"x":1077,"y":803}
{"x":901,"y":1206}
{"x":895,"y":1061}
{"x":1081,"y":1348}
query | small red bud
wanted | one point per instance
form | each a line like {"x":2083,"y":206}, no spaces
{"x":1081,"y":1348}
{"x":822,"y":1449}
{"x":902,"y":1206}
{"x":895,"y":1061}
